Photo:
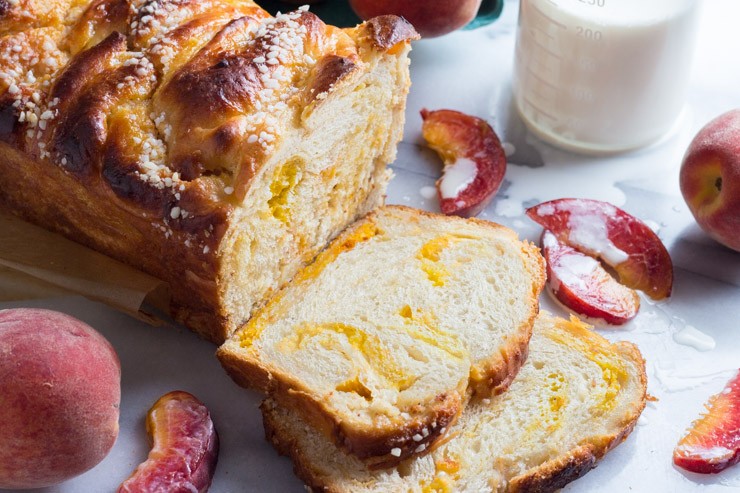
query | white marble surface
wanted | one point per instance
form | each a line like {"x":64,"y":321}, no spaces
{"x":470,"y":71}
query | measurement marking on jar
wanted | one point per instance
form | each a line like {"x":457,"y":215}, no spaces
{"x":553,"y":21}
{"x":534,"y":32}
{"x":589,"y":34}
{"x":593,"y":3}
{"x":540,"y":78}
{"x":587,"y":64}
{"x":533,"y":105}
{"x":547,"y":49}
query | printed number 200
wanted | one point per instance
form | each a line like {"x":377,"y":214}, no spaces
{"x":588,"y":33}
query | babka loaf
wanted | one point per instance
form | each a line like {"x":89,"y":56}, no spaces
{"x":202,"y":141}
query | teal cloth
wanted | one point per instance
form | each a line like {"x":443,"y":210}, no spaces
{"x":339,"y":13}
{"x":335,"y":12}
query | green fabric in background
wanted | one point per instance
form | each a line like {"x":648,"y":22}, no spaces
{"x":339,"y":13}
{"x":335,"y":12}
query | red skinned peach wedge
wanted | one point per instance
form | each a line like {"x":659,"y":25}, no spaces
{"x":580,"y":283}
{"x":619,"y":239}
{"x":474,"y":161}
{"x":712,"y":443}
{"x":184,"y":451}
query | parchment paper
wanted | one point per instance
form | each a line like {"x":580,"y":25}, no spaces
{"x":35,"y":263}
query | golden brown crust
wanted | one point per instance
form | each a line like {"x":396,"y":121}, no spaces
{"x":47,"y":195}
{"x":494,"y":377}
{"x":328,"y":72}
{"x":128,"y":125}
{"x":99,"y":20}
{"x":287,"y":445}
{"x":386,"y":31}
{"x":555,"y":474}
{"x":20,"y":15}
{"x":86,"y":94}
{"x":373,"y":446}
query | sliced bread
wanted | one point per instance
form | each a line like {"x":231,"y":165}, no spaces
{"x":383,"y":339}
{"x":577,"y":397}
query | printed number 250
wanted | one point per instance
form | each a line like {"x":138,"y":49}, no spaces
{"x":596,"y":3}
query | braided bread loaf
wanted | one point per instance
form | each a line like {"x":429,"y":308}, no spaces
{"x":202,"y":141}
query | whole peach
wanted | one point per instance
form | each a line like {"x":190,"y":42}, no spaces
{"x":710,"y":178}
{"x":430,"y":17}
{"x":60,"y":392}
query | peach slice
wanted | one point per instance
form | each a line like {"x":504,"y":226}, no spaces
{"x":712,"y":442}
{"x":474,"y":161}
{"x":606,"y":232}
{"x":185,"y":448}
{"x":580,"y":283}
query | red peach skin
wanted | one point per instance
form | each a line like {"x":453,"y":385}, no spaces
{"x":710,"y":178}
{"x":580,"y":283}
{"x":429,"y":17}
{"x":622,"y":241}
{"x":60,"y":393}
{"x":712,"y":444}
{"x":455,"y":136}
{"x":184,"y":451}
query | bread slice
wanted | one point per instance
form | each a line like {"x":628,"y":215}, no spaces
{"x":381,"y":341}
{"x":577,"y":397}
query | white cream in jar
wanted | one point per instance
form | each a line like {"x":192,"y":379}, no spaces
{"x":603,"y":75}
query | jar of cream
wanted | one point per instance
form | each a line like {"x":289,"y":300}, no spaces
{"x":603,"y":75}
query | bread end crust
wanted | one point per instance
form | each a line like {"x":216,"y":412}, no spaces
{"x":557,"y":473}
{"x":288,"y":447}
